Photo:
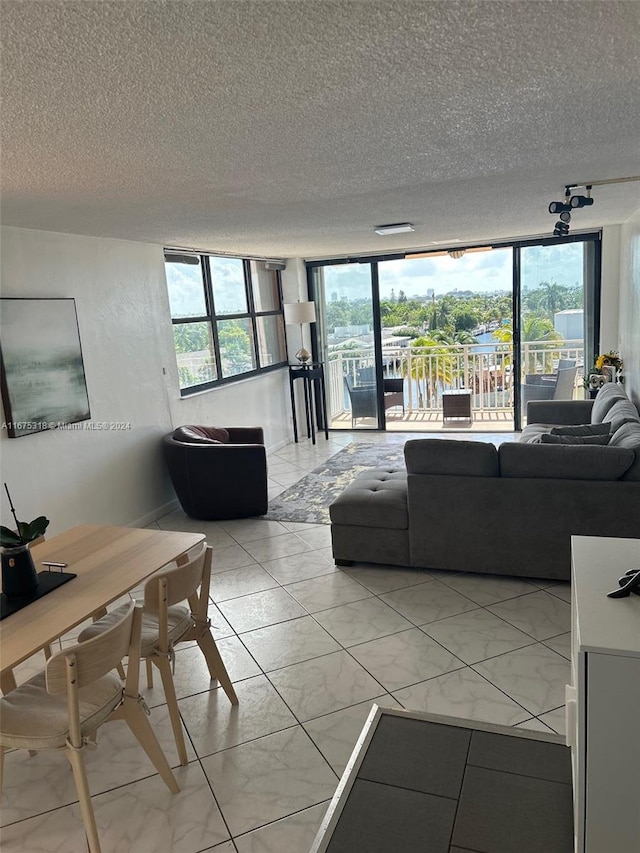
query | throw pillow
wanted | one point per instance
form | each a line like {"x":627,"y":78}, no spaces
{"x":576,"y":439}
{"x":563,"y":463}
{"x":609,"y":394}
{"x":622,"y":412}
{"x":201,"y":435}
{"x":582,"y":429}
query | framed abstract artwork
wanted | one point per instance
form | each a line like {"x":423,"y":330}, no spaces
{"x":41,"y":368}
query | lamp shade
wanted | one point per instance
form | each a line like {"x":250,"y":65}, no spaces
{"x":299,"y":312}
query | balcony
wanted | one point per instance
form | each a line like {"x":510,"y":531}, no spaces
{"x":485,"y":369}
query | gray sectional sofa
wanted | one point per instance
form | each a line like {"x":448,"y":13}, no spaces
{"x":511,"y":510}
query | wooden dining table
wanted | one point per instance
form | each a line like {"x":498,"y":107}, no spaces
{"x":108,"y":562}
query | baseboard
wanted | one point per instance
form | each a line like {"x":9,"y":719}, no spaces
{"x":273,"y":448}
{"x":149,"y":517}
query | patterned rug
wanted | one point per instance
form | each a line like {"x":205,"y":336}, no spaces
{"x":308,"y":500}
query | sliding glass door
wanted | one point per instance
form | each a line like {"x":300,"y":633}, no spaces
{"x":348,"y":344}
{"x":556,"y":327}
{"x":444,"y":318}
{"x":457,"y":338}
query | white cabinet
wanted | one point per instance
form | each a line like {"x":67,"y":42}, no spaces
{"x":603,"y":701}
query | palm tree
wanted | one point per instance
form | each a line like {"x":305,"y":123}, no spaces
{"x":432,"y":365}
{"x":534,"y":329}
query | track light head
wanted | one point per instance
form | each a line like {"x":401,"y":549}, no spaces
{"x":581,"y":201}
{"x":559,"y":207}
{"x":561,"y":229}
{"x":565,"y":216}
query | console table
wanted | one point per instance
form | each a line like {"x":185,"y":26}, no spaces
{"x":603,"y":701}
{"x":312,"y":376}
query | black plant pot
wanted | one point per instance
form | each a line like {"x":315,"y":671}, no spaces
{"x":19,"y":578}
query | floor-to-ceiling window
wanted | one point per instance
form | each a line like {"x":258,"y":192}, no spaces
{"x":397,"y":333}
{"x":557,"y":283}
{"x":344,"y":295}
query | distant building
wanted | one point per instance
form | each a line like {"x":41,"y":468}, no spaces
{"x":570,"y":324}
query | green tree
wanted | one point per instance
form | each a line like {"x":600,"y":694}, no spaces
{"x":431,"y":365}
{"x":534,"y":329}
{"x":235,"y":347}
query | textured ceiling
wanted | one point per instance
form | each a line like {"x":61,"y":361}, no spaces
{"x":293,"y":128}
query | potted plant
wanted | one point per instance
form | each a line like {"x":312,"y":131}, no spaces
{"x":19,"y":576}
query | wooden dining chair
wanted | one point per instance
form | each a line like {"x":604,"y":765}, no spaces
{"x":63,"y":706}
{"x":166,"y":622}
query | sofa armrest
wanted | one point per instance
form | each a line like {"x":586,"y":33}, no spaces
{"x":559,"y":411}
{"x":246,"y":435}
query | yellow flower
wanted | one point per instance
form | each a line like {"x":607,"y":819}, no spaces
{"x":611,"y":358}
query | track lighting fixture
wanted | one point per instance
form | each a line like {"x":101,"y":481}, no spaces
{"x":563,"y":209}
{"x":582,"y":200}
{"x":573,"y":202}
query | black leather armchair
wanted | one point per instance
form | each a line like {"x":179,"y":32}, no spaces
{"x":218,"y":472}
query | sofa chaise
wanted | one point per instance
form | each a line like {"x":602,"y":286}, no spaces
{"x":469,"y":506}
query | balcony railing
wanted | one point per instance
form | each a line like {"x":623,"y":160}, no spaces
{"x":487,"y":369}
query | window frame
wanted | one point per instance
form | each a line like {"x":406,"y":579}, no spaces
{"x":212,"y":318}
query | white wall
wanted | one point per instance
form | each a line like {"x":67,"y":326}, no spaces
{"x":115,"y":477}
{"x":80,"y":476}
{"x":629,"y":343}
{"x":610,"y":293}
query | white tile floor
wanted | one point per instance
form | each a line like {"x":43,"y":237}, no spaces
{"x":310,"y":647}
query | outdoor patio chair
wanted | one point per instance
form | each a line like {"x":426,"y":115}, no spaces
{"x":554,"y":386}
{"x":393,"y":388}
{"x":363,"y":400}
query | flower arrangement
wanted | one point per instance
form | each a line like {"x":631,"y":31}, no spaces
{"x":606,"y":368}
{"x":611,"y":359}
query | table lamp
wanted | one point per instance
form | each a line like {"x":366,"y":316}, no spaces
{"x":296,"y":314}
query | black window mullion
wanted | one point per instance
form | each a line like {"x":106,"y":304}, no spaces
{"x":208,"y":295}
{"x":251,"y":306}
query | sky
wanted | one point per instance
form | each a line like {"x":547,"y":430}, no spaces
{"x":481,"y":272}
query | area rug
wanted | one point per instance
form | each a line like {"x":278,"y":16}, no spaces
{"x":308,"y":500}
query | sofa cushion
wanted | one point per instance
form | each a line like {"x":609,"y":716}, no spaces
{"x":628,"y":435}
{"x":201,"y":435}
{"x":377,"y":498}
{"x":445,"y":456}
{"x":609,"y":394}
{"x":564,"y":463}
{"x":622,"y":412}
{"x":582,"y":429}
{"x":575,"y":439}
{"x":532,"y":433}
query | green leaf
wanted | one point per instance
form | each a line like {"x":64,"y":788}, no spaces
{"x":38,"y":526}
{"x":31,"y":531}
{"x":8,"y":538}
